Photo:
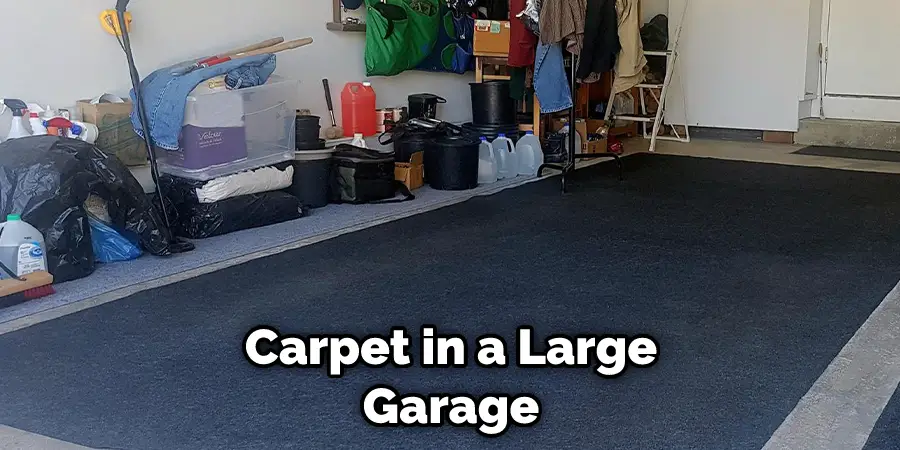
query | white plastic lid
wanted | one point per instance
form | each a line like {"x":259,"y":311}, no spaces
{"x":366,"y":83}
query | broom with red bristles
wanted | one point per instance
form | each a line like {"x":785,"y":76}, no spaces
{"x":27,"y":287}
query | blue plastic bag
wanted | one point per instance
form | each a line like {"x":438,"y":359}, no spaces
{"x":111,"y":245}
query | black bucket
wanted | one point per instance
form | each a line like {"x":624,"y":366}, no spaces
{"x":424,"y":105}
{"x":311,"y":173}
{"x":317,"y":144}
{"x":451,"y":163}
{"x":492,"y":104}
{"x":307,"y":129}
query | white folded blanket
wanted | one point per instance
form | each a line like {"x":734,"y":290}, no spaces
{"x":264,"y":179}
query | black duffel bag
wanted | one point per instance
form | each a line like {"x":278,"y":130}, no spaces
{"x":361,"y":175}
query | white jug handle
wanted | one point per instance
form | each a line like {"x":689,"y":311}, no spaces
{"x":510,"y":145}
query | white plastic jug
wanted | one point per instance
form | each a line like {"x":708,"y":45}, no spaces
{"x":530,"y":154}
{"x":21,"y":247}
{"x":488,"y":168}
{"x":506,"y":156}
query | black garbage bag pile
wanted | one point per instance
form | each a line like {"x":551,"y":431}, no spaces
{"x":194,"y":220}
{"x":46,"y":179}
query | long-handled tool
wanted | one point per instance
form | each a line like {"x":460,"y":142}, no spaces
{"x":28,"y":287}
{"x":260,"y":51}
{"x":125,"y":43}
{"x":202,"y":63}
{"x":334,"y":131}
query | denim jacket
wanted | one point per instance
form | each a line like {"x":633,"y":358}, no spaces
{"x":550,"y":82}
{"x":165,"y":92}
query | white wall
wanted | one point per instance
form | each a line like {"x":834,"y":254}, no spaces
{"x":63,"y":55}
{"x":650,"y":8}
{"x":743,"y":64}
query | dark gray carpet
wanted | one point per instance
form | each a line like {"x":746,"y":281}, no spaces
{"x":886,"y":434}
{"x":752,"y":277}
{"x":850,"y":153}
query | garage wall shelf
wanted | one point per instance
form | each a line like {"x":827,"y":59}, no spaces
{"x":337,"y":21}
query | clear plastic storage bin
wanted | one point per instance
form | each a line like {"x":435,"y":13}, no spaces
{"x":227,"y":132}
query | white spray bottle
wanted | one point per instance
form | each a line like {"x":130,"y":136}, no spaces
{"x":35,"y":120}
{"x":17,"y":128}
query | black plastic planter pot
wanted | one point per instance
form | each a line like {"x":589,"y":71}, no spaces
{"x":492,"y":104}
{"x":451,"y":163}
{"x":311,"y":173}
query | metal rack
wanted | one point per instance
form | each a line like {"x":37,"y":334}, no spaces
{"x":571,"y":155}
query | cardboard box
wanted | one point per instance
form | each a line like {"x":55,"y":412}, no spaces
{"x":412,"y":174}
{"x":491,"y":38}
{"x":582,"y":127}
{"x":117,"y":136}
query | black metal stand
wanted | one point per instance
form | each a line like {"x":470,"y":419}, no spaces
{"x":121,"y":6}
{"x":571,"y":154}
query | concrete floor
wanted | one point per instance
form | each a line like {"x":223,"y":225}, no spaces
{"x":860,"y":380}
{"x":760,"y":152}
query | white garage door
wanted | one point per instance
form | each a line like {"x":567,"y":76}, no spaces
{"x":862,"y":78}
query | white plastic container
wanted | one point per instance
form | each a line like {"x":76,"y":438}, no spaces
{"x":487,"y":163}
{"x":21,"y":247}
{"x":505,"y":152}
{"x":226,"y":132}
{"x":359,"y":141}
{"x":530,"y":154}
{"x":37,"y":125}
{"x":17,"y":128}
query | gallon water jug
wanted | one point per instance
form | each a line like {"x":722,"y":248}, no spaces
{"x":21,"y":247}
{"x":530,"y":154}
{"x":505,"y":152}
{"x":358,"y":109}
{"x":487,"y":163}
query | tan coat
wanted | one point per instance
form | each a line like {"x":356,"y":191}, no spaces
{"x":631,"y":61}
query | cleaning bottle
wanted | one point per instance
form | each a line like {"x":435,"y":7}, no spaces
{"x":505,"y":152}
{"x":35,"y":120}
{"x":530,"y":154}
{"x":37,"y":125}
{"x":17,"y":128}
{"x":487,"y":163}
{"x":358,"y":141}
{"x":21,"y":247}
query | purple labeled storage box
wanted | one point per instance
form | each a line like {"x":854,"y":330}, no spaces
{"x":203,"y":147}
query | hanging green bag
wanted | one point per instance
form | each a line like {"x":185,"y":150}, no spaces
{"x":399,"y":34}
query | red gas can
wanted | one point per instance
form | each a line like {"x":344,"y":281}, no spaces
{"x":358,"y":109}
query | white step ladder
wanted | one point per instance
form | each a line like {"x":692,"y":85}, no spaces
{"x":660,"y":93}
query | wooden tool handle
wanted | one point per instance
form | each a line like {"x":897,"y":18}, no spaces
{"x":279,"y":48}
{"x":257,"y":46}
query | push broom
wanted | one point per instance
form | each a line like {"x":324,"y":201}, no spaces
{"x":15,"y":289}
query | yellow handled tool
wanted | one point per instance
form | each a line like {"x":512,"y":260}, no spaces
{"x":110,"y":22}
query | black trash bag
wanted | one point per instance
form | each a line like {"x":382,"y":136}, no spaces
{"x":655,"y":37}
{"x":46,"y":179}
{"x":194,"y":220}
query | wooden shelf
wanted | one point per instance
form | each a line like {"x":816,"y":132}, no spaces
{"x":348,"y":27}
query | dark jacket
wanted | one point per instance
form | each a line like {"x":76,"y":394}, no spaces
{"x":601,"y":39}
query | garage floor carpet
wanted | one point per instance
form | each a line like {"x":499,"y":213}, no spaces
{"x":750,"y":276}
{"x":886,"y":435}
